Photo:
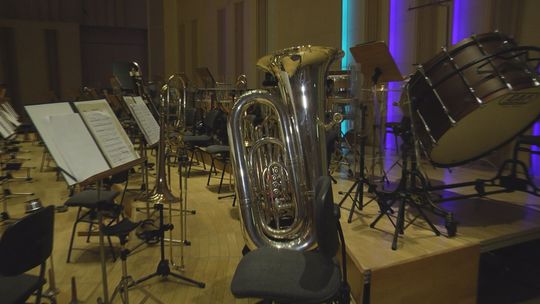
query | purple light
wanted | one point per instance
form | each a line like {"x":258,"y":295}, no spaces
{"x":460,"y":25}
{"x":535,"y":159}
{"x":396,"y":44}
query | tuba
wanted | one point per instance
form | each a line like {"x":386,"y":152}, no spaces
{"x":278,"y":161}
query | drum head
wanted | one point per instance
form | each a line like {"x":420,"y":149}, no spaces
{"x":489,"y":127}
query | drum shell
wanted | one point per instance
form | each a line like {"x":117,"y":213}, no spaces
{"x":443,"y":92}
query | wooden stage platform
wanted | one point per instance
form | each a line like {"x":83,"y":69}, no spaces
{"x":427,"y":268}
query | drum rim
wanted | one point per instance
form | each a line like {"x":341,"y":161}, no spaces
{"x":460,"y":163}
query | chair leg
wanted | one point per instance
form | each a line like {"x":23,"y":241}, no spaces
{"x":210,"y":172}
{"x":111,"y":248}
{"x":38,"y":295}
{"x":190,"y":162}
{"x":73,"y":235}
{"x":202,"y":158}
{"x":89,"y":232}
{"x":222,"y":175}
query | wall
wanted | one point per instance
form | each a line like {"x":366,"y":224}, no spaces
{"x":45,"y":52}
{"x":203,"y":30}
{"x":30,"y":60}
{"x":208,"y":33}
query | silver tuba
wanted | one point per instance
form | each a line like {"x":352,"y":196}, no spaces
{"x":277,"y":163}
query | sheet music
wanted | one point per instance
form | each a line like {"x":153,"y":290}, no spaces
{"x":12,"y":119}
{"x":7,"y":106}
{"x":6,"y":128}
{"x":145,"y":120}
{"x":4,"y":132}
{"x":116,"y":150}
{"x":76,"y":146}
{"x":39,"y":114}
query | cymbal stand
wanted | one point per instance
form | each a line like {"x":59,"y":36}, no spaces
{"x":377,"y":146}
{"x":361,"y":180}
{"x":412,"y":192}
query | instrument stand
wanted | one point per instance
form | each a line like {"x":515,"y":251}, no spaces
{"x":374,"y":57}
{"x":509,"y":182}
{"x":410,"y":193}
{"x":361,"y":180}
{"x":163,"y":269}
{"x":122,"y":289}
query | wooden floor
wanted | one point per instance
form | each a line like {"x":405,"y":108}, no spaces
{"x":216,"y":238}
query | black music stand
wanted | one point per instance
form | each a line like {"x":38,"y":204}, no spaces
{"x":374,"y":58}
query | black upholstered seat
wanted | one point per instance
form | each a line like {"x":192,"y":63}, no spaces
{"x":91,"y":198}
{"x":89,"y":203}
{"x":25,"y":245}
{"x":288,"y":276}
{"x":26,"y":285}
{"x":217,"y":152}
{"x":306,"y":276}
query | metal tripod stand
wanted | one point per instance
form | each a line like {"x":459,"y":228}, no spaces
{"x":163,"y":268}
{"x":361,"y":180}
{"x":412,"y":191}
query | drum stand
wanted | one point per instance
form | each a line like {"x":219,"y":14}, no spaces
{"x":410,"y":192}
{"x":508,"y":182}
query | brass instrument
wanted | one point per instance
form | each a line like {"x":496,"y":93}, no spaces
{"x":161,"y":194}
{"x":276,"y":166}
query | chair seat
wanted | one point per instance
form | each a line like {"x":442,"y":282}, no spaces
{"x":197,"y":139}
{"x":214,"y":149}
{"x":16,"y":289}
{"x":121,"y":229}
{"x":89,"y":198}
{"x":286,"y":276}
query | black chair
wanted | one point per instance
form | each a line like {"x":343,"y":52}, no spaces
{"x":89,"y":203}
{"x":301,"y":277}
{"x":25,"y":245}
{"x":200,"y":140}
{"x":219,"y":153}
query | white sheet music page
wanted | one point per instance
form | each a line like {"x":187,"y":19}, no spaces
{"x":146,"y":121}
{"x":78,"y":149}
{"x":9,"y":116}
{"x":40,"y":115}
{"x":6,"y":128}
{"x":4,"y":132}
{"x":116,"y":150}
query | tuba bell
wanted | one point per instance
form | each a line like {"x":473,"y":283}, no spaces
{"x":278,"y":158}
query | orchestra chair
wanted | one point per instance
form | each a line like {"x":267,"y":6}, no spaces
{"x":25,"y":245}
{"x":219,"y":153}
{"x":89,"y":203}
{"x":302,"y":276}
{"x":193,"y":143}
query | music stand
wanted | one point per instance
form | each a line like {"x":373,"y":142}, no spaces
{"x":374,"y":58}
{"x":205,"y":77}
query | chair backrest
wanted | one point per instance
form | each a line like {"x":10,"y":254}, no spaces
{"x":27,"y":243}
{"x":326,"y":224}
{"x":215,"y":123}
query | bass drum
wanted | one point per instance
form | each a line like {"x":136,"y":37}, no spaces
{"x":473,"y":98}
